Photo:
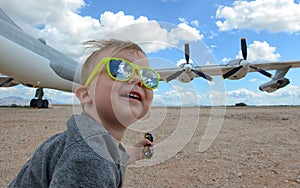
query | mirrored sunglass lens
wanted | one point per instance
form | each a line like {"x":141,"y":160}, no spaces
{"x":119,"y":69}
{"x":149,"y":78}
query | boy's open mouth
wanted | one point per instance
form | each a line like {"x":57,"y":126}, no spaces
{"x":132,"y":95}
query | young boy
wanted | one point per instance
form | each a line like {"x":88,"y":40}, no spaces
{"x":117,"y":89}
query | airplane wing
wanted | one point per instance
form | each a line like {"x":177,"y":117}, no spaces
{"x":219,"y":70}
{"x":165,"y":72}
{"x":211,"y":70}
{"x":276,"y":65}
{"x":215,"y":70}
{"x":4,"y":17}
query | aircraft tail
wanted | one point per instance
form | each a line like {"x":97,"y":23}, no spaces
{"x":4,"y":17}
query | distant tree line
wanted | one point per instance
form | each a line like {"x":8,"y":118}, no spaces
{"x":13,"y":106}
{"x":241,"y":104}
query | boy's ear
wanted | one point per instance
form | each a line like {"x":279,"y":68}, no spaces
{"x":82,"y":93}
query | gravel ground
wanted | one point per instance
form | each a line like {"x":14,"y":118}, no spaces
{"x":256,"y":146}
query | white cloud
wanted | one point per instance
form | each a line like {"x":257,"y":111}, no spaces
{"x":183,"y":20}
{"x":64,"y":29}
{"x":176,"y":94}
{"x":260,"y":51}
{"x":289,"y":95}
{"x":242,"y":93}
{"x":29,"y":93}
{"x":19,"y":91}
{"x":183,"y":61}
{"x":213,"y":35}
{"x":176,"y":98}
{"x":195,"y":23}
{"x":253,"y":80}
{"x":46,"y":11}
{"x":149,"y":34}
{"x":258,"y":15}
{"x":5,"y":90}
{"x":61,"y":97}
{"x":226,"y":60}
{"x":186,"y":33}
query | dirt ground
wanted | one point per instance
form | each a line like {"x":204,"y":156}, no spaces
{"x":256,"y":146}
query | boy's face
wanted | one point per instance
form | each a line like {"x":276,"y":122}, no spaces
{"x":115,"y":101}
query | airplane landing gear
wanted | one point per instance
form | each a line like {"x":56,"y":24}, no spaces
{"x":39,"y":102}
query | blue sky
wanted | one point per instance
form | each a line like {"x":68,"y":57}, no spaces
{"x":272,"y":29}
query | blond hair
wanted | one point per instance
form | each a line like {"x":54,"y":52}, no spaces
{"x":98,"y":47}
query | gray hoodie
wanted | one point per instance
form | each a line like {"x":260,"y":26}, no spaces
{"x":85,"y":155}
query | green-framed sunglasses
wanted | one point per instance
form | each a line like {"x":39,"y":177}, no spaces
{"x":123,"y":70}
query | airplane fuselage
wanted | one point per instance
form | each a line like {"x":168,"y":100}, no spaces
{"x":27,"y":59}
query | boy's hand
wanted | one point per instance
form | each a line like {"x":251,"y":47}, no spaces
{"x":136,"y":152}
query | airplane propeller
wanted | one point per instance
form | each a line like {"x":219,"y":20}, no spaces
{"x":244,"y":53}
{"x":175,"y":75}
{"x":244,"y":48}
{"x":261,"y":71}
{"x":236,"y":69}
{"x":187,"y":67}
{"x":187,"y":52}
{"x":232,"y":72}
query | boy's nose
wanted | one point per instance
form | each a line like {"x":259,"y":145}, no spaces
{"x":136,"y":80}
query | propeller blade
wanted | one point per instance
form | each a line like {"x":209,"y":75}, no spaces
{"x":244,"y":48}
{"x":175,"y":75}
{"x":187,"y":52}
{"x":231,"y":72}
{"x":263,"y":72}
{"x":201,"y":74}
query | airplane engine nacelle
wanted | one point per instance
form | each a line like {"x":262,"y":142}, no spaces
{"x":273,"y":85}
{"x":185,"y":77}
{"x":242,"y":72}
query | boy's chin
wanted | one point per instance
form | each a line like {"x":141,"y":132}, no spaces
{"x":130,"y":116}
{"x":138,"y":113}
{"x":128,"y":113}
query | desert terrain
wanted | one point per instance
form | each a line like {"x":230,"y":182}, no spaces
{"x":255,"y":147}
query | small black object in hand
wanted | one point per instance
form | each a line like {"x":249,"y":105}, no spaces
{"x":147,"y":151}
